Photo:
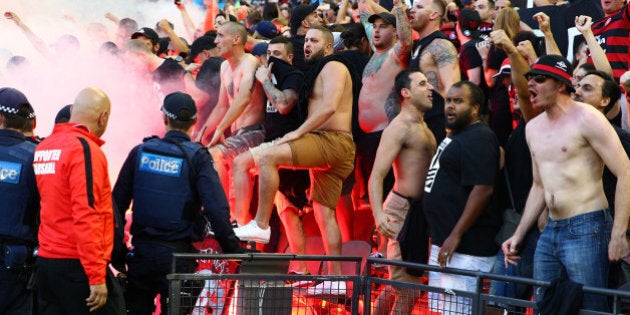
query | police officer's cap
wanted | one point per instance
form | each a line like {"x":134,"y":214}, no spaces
{"x":179,"y":106}
{"x":15,"y":102}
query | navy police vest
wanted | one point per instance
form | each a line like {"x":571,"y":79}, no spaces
{"x":163,"y":196}
{"x":17,"y":178}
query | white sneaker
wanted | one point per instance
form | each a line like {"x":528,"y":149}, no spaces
{"x":328,"y":288}
{"x":251,"y":232}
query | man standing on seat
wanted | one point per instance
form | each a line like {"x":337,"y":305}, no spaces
{"x":241,"y":105}
{"x":323,"y":144}
{"x":407,"y":146}
{"x":570,"y":143}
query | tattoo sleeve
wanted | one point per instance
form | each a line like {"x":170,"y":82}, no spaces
{"x":392,"y":107}
{"x":405,"y":41}
{"x":274,"y":95}
{"x":443,"y":52}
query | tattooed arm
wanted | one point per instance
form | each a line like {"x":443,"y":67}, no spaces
{"x":283,"y":100}
{"x":402,"y":49}
{"x":444,"y":55}
{"x":392,"y":106}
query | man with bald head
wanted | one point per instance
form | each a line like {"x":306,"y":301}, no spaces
{"x":77,"y":221}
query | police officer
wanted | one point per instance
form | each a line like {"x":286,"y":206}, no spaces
{"x":169,"y":179}
{"x":20,"y":203}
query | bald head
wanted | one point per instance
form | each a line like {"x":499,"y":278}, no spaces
{"x":91,"y":108}
{"x":236,"y":29}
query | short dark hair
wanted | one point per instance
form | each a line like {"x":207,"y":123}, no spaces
{"x":270,"y":11}
{"x":402,"y":81}
{"x":13,"y":121}
{"x":353,"y":34}
{"x":610,"y":88}
{"x":181,"y":124}
{"x":476,"y":93}
{"x":280,"y":39}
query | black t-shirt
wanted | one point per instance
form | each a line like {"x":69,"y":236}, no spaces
{"x":518,"y":162}
{"x":469,"y":58}
{"x":169,"y":77}
{"x":609,"y":180}
{"x":357,"y":58}
{"x":284,"y":76}
{"x":463,"y":160}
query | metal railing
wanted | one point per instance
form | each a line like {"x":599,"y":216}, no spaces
{"x":262,"y":286}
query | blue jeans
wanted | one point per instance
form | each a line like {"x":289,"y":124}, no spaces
{"x":525,"y":269}
{"x":576,"y":248}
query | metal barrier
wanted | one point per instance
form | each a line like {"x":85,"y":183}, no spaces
{"x":262,"y":286}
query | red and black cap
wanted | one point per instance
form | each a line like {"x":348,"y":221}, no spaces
{"x":554,"y":66}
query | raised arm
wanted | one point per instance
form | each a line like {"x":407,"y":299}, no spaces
{"x":583,"y":24}
{"x":519,"y":67}
{"x":189,"y":25}
{"x":212,"y":9}
{"x":37,"y":42}
{"x":367,"y":8}
{"x":544,"y":24}
{"x":402,"y":49}
{"x":177,"y":42}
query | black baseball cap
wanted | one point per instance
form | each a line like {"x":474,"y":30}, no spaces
{"x":554,"y":66}
{"x":148,"y":33}
{"x":300,"y":13}
{"x":179,"y":106}
{"x":469,"y":21}
{"x":200,"y":44}
{"x":14,"y":102}
{"x":387,"y":17}
{"x":63,"y":115}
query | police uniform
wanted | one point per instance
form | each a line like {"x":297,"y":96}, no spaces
{"x":20,"y":203}
{"x":169,"y":179}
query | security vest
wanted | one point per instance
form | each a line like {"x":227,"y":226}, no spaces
{"x":164,"y":196}
{"x":19,"y":206}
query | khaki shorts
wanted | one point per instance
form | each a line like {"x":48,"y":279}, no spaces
{"x":329,"y":155}
{"x":396,"y":207}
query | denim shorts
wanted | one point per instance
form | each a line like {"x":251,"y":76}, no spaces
{"x":576,"y":248}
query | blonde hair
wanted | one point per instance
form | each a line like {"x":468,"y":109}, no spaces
{"x":508,"y":20}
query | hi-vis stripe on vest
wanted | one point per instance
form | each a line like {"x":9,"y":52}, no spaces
{"x":160,"y":164}
{"x":10,"y":172}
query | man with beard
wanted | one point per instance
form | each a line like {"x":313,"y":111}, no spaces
{"x":322,"y":144}
{"x":282,"y":83}
{"x":462,"y":220}
{"x":570,"y":142}
{"x":406,"y":146}
{"x":435,"y":56}
{"x":240,"y":108}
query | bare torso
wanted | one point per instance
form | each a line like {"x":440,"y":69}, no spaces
{"x":341,"y":118}
{"x":570,"y":170}
{"x":231,"y":78}
{"x":438,"y":51}
{"x":412,"y":163}
{"x":377,"y":97}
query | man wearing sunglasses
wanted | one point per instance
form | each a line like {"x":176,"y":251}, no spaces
{"x":570,"y":143}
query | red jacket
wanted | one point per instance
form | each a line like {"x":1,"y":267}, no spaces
{"x":76,"y":202}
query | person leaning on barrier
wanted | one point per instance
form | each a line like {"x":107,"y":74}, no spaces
{"x":169,"y":179}
{"x":20,"y":204}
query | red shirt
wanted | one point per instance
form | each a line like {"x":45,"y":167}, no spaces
{"x":76,"y":202}
{"x":613,"y":34}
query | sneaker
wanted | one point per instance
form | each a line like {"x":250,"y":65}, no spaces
{"x":251,"y":232}
{"x":328,"y":288}
{"x":377,"y":255}
{"x":300,"y":283}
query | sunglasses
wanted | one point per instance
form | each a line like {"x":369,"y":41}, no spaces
{"x":538,"y":78}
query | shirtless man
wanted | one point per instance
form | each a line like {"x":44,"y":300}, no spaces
{"x":570,"y":143}
{"x":241,"y":104}
{"x":390,"y":37}
{"x":407,"y":145}
{"x":436,"y":57}
{"x":323,"y":144}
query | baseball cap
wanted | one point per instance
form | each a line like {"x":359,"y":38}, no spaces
{"x":387,"y":17}
{"x":200,"y":44}
{"x":148,"y":33}
{"x":554,"y":66}
{"x":14,"y":102}
{"x":505,"y":69}
{"x":266,"y":29}
{"x":469,"y":20}
{"x":300,"y":13}
{"x":63,"y":115}
{"x":260,"y":49}
{"x":179,"y":106}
